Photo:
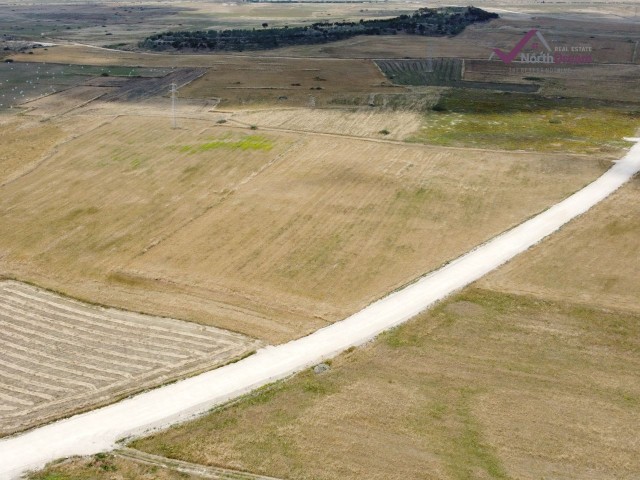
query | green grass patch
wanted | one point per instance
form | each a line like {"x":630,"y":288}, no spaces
{"x":249,"y":142}
{"x":400,"y":337}
{"x":516,"y":121}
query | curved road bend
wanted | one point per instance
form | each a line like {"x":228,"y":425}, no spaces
{"x":98,"y":430}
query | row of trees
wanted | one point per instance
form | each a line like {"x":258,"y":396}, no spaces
{"x":425,"y":21}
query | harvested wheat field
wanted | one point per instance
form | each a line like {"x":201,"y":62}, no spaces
{"x":60,"y":356}
{"x":488,"y":384}
{"x":594,"y":261}
{"x":26,"y":141}
{"x":266,"y":233}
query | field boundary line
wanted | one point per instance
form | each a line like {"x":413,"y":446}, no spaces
{"x":215,"y":473}
{"x":229,"y":191}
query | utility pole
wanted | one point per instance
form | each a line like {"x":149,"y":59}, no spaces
{"x":429,"y":57}
{"x":174,"y":93}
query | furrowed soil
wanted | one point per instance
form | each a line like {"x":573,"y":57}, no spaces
{"x":60,"y":356}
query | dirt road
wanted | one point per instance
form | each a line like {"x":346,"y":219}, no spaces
{"x":98,"y":430}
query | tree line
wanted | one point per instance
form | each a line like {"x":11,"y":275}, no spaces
{"x":425,"y":21}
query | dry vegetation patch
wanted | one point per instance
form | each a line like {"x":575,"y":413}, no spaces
{"x":594,"y":260}
{"x":271,"y":234}
{"x":110,"y":467}
{"x":504,"y":387}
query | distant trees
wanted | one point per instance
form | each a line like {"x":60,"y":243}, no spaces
{"x":425,"y":21}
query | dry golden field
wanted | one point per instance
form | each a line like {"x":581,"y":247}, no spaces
{"x":25,"y":142}
{"x":505,"y":380}
{"x":486,"y":385}
{"x":594,"y":261}
{"x":363,"y":122}
{"x":269,"y":218}
{"x":270,"y":234}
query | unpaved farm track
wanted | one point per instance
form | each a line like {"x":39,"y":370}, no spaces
{"x":99,"y":430}
{"x":60,"y":356}
{"x":214,"y":473}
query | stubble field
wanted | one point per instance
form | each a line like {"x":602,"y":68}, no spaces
{"x":515,"y":377}
{"x":604,"y":243}
{"x":263,"y":215}
{"x":267,"y":233}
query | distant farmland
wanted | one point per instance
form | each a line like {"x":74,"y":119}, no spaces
{"x":441,"y":72}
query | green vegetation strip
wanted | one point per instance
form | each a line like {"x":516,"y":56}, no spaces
{"x":250,"y":142}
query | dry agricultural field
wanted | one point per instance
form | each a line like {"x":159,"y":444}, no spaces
{"x":271,"y":234}
{"x":300,"y":185}
{"x":530,"y":373}
{"x":604,"y":243}
{"x":60,"y":356}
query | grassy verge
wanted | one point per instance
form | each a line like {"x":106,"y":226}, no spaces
{"x":107,"y":466}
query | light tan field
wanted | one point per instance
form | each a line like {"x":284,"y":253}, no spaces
{"x":270,"y":234}
{"x":26,"y":141}
{"x":364,"y":122}
{"x":60,"y":356}
{"x":486,"y":385}
{"x":593,"y":261}
{"x":277,"y":230}
{"x":538,"y":383}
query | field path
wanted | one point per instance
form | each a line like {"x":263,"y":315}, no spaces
{"x":100,"y":429}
